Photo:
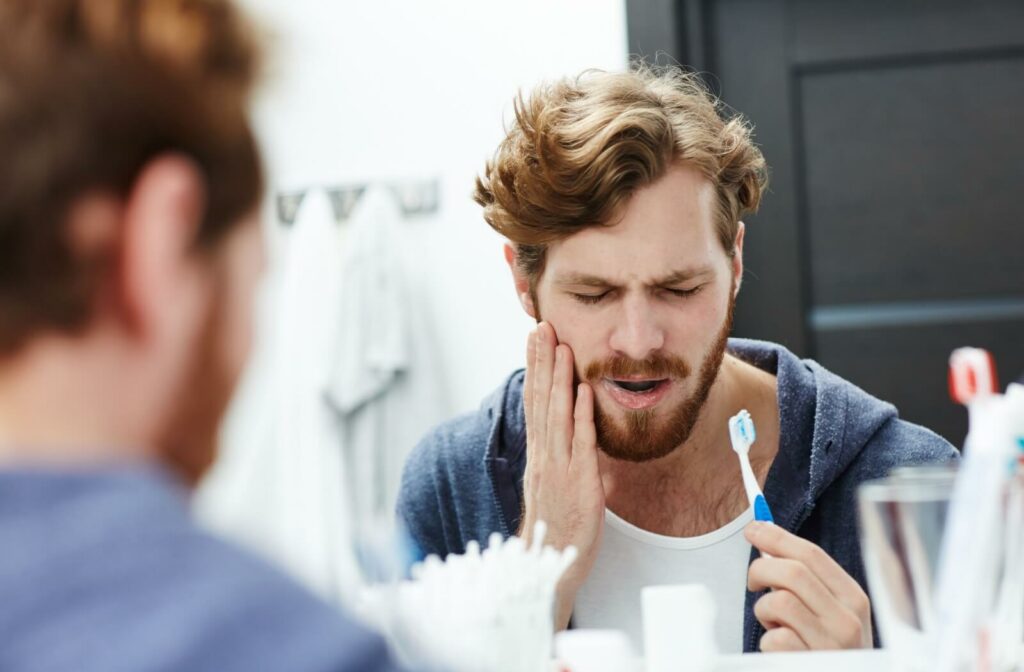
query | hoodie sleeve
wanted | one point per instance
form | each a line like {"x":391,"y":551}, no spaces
{"x":452,"y":491}
{"x":445,"y":498}
{"x":424,"y":499}
{"x":899,"y":443}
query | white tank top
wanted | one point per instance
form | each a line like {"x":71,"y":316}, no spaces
{"x":631,"y":558}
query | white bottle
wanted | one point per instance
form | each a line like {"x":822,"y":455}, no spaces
{"x":679,"y":628}
{"x":594,"y":650}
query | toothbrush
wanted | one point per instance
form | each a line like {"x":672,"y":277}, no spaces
{"x":742,"y":434}
{"x":970,"y":544}
{"x":1008,"y":623}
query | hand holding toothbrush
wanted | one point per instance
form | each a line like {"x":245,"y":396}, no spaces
{"x":813,"y":604}
{"x":562,"y":485}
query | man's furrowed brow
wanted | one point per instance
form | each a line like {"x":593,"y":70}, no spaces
{"x":683,"y":275}
{"x":576,"y":279}
{"x":582,"y":280}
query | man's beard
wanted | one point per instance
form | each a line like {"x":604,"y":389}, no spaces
{"x":650,"y":434}
{"x":189,"y":444}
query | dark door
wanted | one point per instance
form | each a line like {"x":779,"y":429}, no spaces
{"x":894,"y":129}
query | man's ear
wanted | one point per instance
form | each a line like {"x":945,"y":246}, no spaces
{"x":162,"y":216}
{"x":737,"y":257}
{"x":521,"y":282}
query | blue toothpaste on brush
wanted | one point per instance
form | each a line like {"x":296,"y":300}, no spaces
{"x":742,"y":434}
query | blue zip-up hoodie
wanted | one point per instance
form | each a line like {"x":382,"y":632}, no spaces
{"x":465,"y":479}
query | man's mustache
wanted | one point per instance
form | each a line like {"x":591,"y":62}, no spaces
{"x":653,"y":367}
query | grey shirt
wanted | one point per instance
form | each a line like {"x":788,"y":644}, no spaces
{"x":104,"y":570}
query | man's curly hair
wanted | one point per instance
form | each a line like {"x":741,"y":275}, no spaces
{"x":580,"y":147}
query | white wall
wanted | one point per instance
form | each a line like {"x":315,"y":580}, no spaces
{"x":386,"y":89}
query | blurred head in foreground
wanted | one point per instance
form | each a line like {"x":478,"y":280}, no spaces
{"x":129,"y":245}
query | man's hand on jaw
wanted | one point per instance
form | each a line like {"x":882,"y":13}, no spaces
{"x":562,"y":485}
{"x":813,"y":603}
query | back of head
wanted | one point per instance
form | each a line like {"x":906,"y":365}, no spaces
{"x":581,"y":146}
{"x":90,"y":92}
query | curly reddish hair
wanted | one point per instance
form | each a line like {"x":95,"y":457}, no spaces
{"x":580,"y":147}
{"x":90,"y":92}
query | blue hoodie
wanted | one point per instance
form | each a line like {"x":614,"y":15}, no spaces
{"x":465,"y":479}
{"x":103,"y":570}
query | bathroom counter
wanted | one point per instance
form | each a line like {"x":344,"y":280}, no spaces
{"x":833,"y":661}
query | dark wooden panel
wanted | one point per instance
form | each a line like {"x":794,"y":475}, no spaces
{"x":908,"y":366}
{"x":653,"y":26}
{"x":864,"y":30}
{"x":749,"y":53}
{"x":892,"y":131}
{"x":913,"y":177}
{"x":670,"y":32}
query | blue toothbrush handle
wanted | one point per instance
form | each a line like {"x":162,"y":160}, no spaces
{"x":761,"y":510}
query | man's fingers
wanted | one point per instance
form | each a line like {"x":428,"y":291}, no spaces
{"x":781,"y":608}
{"x":584,"y":438}
{"x":531,"y":355}
{"x":779,"y":543}
{"x":782,"y":639}
{"x":782,"y":573}
{"x":542,"y":375}
{"x":560,"y":411}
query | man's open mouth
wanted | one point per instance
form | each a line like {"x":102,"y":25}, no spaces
{"x":637,"y":394}
{"x":639,"y":386}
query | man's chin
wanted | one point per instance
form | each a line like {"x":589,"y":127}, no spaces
{"x":619,"y":441}
{"x":190,"y":458}
{"x":636,"y":456}
{"x":644,"y":436}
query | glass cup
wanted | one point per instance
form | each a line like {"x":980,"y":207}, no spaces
{"x":902,"y":521}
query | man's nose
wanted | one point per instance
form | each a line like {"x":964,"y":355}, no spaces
{"x":637,"y":333}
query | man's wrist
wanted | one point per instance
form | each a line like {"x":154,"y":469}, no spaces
{"x":564,"y":601}
{"x":526,"y":525}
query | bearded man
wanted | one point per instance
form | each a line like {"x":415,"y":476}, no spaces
{"x":621,"y":197}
